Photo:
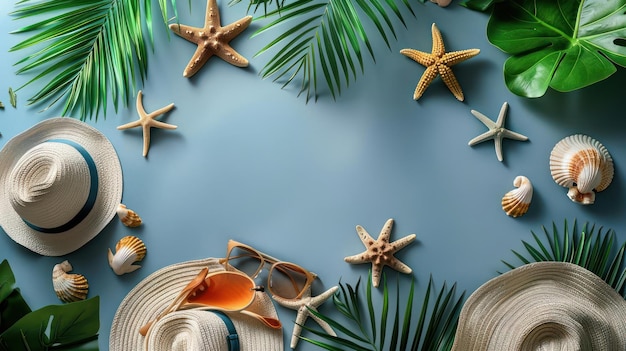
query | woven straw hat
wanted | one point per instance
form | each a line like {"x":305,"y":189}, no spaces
{"x":60,"y":185}
{"x":196,"y":330}
{"x":543,"y":306}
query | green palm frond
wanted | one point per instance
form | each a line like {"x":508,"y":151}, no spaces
{"x":366,"y":330}
{"x":587,"y":248}
{"x":324,"y":35}
{"x":83,"y":49}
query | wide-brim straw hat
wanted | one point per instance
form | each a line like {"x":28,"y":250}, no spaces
{"x":187,"y":329}
{"x":60,"y":185}
{"x":543,"y":306}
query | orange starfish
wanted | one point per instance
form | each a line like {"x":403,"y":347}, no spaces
{"x":212,"y":39}
{"x":380,"y":252}
{"x":438,"y":62}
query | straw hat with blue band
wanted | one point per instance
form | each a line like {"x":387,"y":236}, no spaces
{"x":60,"y":185}
{"x":192,"y":329}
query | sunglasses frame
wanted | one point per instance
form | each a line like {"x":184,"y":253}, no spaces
{"x":274,"y":264}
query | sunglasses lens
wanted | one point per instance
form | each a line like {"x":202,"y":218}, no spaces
{"x":246,"y":261}
{"x":287,"y":280}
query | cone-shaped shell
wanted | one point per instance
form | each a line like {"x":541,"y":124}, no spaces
{"x":128,"y":217}
{"x":583,"y":165}
{"x":69,"y":287}
{"x":516,"y":202}
{"x":129,"y":249}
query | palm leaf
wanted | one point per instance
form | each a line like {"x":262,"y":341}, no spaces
{"x":434,"y":330}
{"x":324,"y":38}
{"x":586,"y":247}
{"x":86,"y":51}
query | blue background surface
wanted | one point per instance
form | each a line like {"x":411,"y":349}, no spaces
{"x":255,"y":163}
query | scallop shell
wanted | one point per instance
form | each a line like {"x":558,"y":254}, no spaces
{"x":129,"y":249}
{"x":516,"y":202}
{"x":128,"y":217}
{"x":69,"y":287}
{"x":583,"y":165}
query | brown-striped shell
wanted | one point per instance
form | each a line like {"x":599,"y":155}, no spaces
{"x":516,"y":202}
{"x":583,"y":165}
{"x":69,"y":287}
{"x":129,"y":249}
{"x":128,"y":217}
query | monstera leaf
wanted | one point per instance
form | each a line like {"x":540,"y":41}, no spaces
{"x":562,"y":44}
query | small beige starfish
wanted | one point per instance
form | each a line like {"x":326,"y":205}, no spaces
{"x":147,"y":121}
{"x":496,"y":131}
{"x":438,"y":62}
{"x":302,"y":305}
{"x":212,"y":39}
{"x":380,"y":252}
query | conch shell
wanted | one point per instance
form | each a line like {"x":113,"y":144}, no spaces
{"x":128,"y":217}
{"x":129,"y":249}
{"x":516,"y":202}
{"x":69,"y":287}
{"x":583,"y":165}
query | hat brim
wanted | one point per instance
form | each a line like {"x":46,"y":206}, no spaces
{"x":541,"y":306}
{"x":155,"y":292}
{"x":109,"y":195}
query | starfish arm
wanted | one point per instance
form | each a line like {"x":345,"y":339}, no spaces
{"x":130,"y":125}
{"x":212,"y":14}
{"x":423,"y":58}
{"x":303,"y":314}
{"x":231,"y":56}
{"x":162,"y":125}
{"x":322,"y":323}
{"x":146,"y":139}
{"x":502,"y":115}
{"x":484,"y":119}
{"x":363,"y":257}
{"x":427,"y":78}
{"x":400,"y":266}
{"x":401,"y":243}
{"x":450,"y":80}
{"x":454,"y":57}
{"x":488,"y":135}
{"x":161,"y":111}
{"x":385,"y":233}
{"x":497,"y":143}
{"x":365,"y":237}
{"x":199,"y":58}
{"x":234,"y":29}
{"x":515,"y":136}
{"x":438,"y":47}
{"x":376,"y":273}
{"x":321,"y":298}
{"x":186,"y":32}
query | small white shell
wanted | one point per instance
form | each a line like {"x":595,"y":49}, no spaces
{"x":516,"y":202}
{"x":129,"y":249}
{"x":583,"y":165}
{"x":68,"y":287}
{"x":128,"y":217}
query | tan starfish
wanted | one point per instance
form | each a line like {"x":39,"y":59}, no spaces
{"x":212,"y":39}
{"x":380,"y":252}
{"x":147,"y":121}
{"x":302,"y":305}
{"x":438,"y":62}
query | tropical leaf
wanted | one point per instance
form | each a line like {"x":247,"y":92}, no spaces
{"x":588,"y":248}
{"x":561,"y":44}
{"x":367,"y":331}
{"x":479,"y":5}
{"x":324,"y":38}
{"x":85,"y":51}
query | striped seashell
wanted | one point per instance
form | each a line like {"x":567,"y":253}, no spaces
{"x":129,"y":249}
{"x":128,"y":217}
{"x":69,"y":287}
{"x":583,"y":165}
{"x":516,"y":202}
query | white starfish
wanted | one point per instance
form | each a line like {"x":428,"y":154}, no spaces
{"x":496,"y":131}
{"x":302,"y":305}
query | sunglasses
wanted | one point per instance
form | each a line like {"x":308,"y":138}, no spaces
{"x":227,"y":291}
{"x":285,"y":279}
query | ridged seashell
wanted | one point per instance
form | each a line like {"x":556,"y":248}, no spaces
{"x":129,"y":249}
{"x":128,"y":217}
{"x":516,"y":202}
{"x":583,"y":165}
{"x":69,"y":287}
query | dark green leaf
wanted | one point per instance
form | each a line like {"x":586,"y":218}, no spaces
{"x":12,"y":308}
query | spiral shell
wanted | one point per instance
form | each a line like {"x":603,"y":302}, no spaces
{"x":516,"y":202}
{"x":129,"y":249}
{"x":69,"y":287}
{"x":583,"y":165}
{"x":128,"y":217}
